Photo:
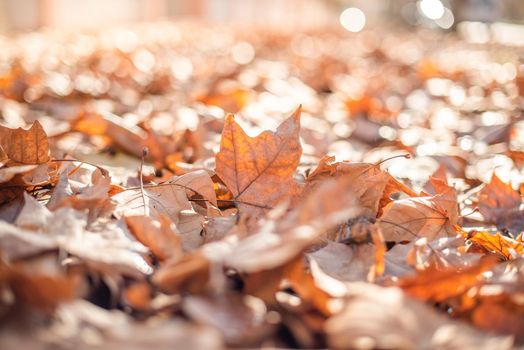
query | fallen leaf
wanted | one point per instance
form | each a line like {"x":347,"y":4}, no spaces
{"x":9,"y":173}
{"x":384,"y":318}
{"x":25,"y":146}
{"x":500,"y":204}
{"x":417,"y":255}
{"x":190,"y":273}
{"x":411,"y":218}
{"x":505,"y":247}
{"x":345,"y":262}
{"x":259,"y":171}
{"x":158,"y":236}
{"x":240,"y":319}
{"x":496,"y":318}
{"x":40,"y":283}
{"x":439,"y":285}
{"x":372,"y":185}
{"x":170,"y":199}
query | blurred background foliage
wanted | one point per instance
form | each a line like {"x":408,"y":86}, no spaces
{"x":26,"y":15}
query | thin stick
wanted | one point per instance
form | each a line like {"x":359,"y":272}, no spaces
{"x":406,"y":156}
{"x":145,"y":152}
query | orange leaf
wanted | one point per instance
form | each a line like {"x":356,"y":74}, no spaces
{"x":159,"y":237}
{"x":439,"y":285}
{"x":25,"y":146}
{"x":499,"y":204}
{"x":496,"y":317}
{"x":506,"y":247}
{"x":259,"y":171}
{"x":190,"y":273}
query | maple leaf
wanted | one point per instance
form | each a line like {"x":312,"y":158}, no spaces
{"x":372,"y":186}
{"x":259,"y":171}
{"x":506,"y":247}
{"x":500,"y":204}
{"x":25,"y":146}
{"x":411,"y":218}
{"x":169,"y":198}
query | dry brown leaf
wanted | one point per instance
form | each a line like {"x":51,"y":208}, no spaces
{"x":372,"y":185}
{"x":107,"y":247}
{"x":505,"y":247}
{"x":412,"y":218}
{"x":8,"y":173}
{"x":240,"y":318}
{"x":25,"y":146}
{"x":190,"y":273}
{"x":158,"y":236}
{"x":259,"y":171}
{"x":384,"y":318}
{"x":39,"y":283}
{"x":501,"y":319}
{"x":500,"y":204}
{"x":345,"y":262}
{"x":130,"y":138}
{"x":306,"y":287}
{"x":93,"y":197}
{"x":443,"y":253}
{"x":171,"y":199}
{"x":438,"y":285}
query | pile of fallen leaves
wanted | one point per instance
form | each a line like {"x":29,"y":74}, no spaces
{"x":381,"y":213}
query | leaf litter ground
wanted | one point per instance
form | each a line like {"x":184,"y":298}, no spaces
{"x":365,"y":194}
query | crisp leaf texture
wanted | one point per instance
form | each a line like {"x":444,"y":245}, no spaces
{"x":25,"y":146}
{"x":412,"y":218}
{"x":259,"y":171}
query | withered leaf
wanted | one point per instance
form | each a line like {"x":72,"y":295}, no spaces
{"x":439,"y":285}
{"x":506,"y":247}
{"x":411,"y":218}
{"x":239,"y":318}
{"x":500,"y":318}
{"x":259,"y":171}
{"x":190,"y":273}
{"x":345,"y":263}
{"x":373,"y":185}
{"x":158,"y":236}
{"x":25,"y":146}
{"x":384,"y":318}
{"x":171,"y":199}
{"x":500,"y":204}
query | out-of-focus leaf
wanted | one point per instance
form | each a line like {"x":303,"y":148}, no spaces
{"x":439,"y":285}
{"x":158,"y":236}
{"x":500,"y":204}
{"x":377,"y":317}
